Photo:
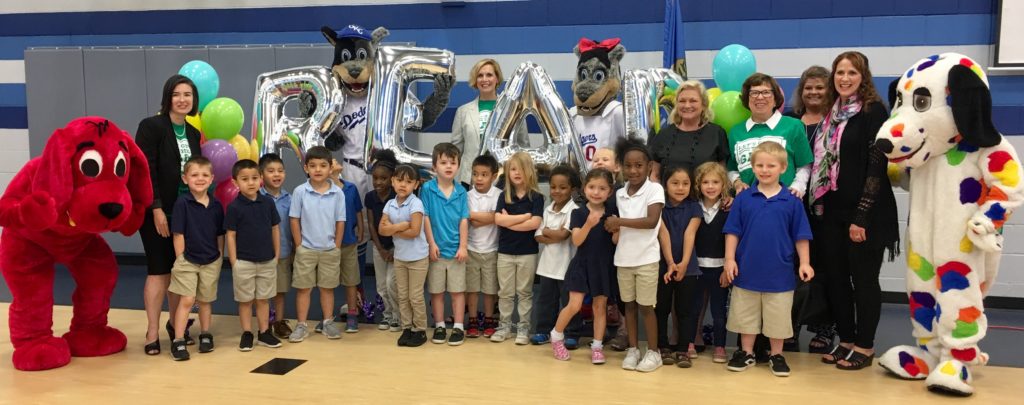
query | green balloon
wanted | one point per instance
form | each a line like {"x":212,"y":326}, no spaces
{"x":728,"y":109}
{"x":222,"y":119}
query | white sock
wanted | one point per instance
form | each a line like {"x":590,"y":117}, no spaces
{"x":596,"y":345}
{"x":557,"y":336}
{"x":440,"y":324}
{"x":458,"y":326}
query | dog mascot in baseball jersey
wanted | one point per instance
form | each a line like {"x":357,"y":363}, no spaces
{"x":597,"y":115}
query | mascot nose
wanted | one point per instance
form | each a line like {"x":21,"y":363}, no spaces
{"x":355,"y":72}
{"x":111,"y":210}
{"x":884,"y":145}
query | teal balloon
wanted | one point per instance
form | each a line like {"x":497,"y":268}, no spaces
{"x":728,"y":109}
{"x":205,"y":78}
{"x":222,"y":119}
{"x":732,"y":65}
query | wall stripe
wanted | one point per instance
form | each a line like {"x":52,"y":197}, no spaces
{"x":12,"y":71}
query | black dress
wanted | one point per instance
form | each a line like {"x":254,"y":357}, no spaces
{"x":155,"y":138}
{"x":674,"y":147}
{"x":591,"y":269}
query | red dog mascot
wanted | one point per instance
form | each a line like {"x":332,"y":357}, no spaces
{"x":91,"y":179}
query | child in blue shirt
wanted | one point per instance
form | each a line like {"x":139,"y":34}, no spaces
{"x":350,"y":268}
{"x":402,"y":219}
{"x":677,"y":288}
{"x":272,"y":171}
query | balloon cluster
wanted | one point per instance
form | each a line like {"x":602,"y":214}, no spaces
{"x":219,"y":121}
{"x":732,"y":65}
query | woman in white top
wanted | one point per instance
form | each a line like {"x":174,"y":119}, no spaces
{"x":471,"y":118}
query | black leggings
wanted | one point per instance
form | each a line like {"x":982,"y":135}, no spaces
{"x":680,"y":296}
{"x":850,"y":273}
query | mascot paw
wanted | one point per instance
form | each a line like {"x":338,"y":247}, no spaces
{"x":443,"y":84}
{"x":38,"y":211}
{"x":43,"y":354}
{"x":982,"y":233}
{"x":908,"y":362}
{"x":950,"y":377}
{"x":95,"y":342}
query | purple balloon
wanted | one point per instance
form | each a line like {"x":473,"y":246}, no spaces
{"x":223,"y":156}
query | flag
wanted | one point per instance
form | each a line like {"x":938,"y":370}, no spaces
{"x":674,"y":56}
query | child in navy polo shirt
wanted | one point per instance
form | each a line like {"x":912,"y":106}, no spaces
{"x":765,"y":226}
{"x":198,"y":245}
{"x":384,"y":164}
{"x":518,"y":215}
{"x":350,"y":269}
{"x":677,"y":290}
{"x":253,"y":248}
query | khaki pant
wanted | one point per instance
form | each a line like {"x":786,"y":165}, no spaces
{"x":193,"y":280}
{"x":639,"y":283}
{"x":410,"y":277}
{"x":316,"y":268}
{"x":284,"y":274}
{"x":446,"y":275}
{"x":752,"y":312}
{"x":387,"y":286}
{"x":254,"y":280}
{"x":515,"y":280}
{"x":482,"y":272}
{"x":350,"y":276}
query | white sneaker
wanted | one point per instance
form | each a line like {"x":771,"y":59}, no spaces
{"x":632,"y":358}
{"x":651,"y":362}
{"x":500,"y":334}
{"x":522,"y":338}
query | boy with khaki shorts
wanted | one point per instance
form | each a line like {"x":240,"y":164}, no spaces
{"x":272,"y":171}
{"x":482,"y":266}
{"x":252,"y":229}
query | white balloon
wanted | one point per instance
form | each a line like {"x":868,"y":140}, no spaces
{"x":642,"y":88}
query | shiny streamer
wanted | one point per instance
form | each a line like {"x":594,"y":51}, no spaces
{"x":644,"y":91}
{"x":274,"y":131}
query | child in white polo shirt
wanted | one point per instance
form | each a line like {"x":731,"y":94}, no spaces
{"x":556,"y":250}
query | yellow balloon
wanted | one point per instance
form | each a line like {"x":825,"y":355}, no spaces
{"x":194,"y":121}
{"x":241,"y":146}
{"x":254,"y":150}
{"x":713,"y":93}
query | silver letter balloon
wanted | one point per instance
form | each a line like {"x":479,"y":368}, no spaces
{"x":273,"y":130}
{"x":531,"y":91}
{"x":392,"y":106}
{"x":642,"y":91}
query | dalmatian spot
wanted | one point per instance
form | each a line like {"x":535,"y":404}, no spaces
{"x":965,"y":329}
{"x":993,"y":194}
{"x":913,"y":365}
{"x":970,"y":190}
{"x":964,"y":355}
{"x":974,"y":67}
{"x":910,"y":73}
{"x":997,"y":214}
{"x":1004,"y":168}
{"x":966,"y":147}
{"x":963,"y":374}
{"x":896,"y":131}
{"x":955,"y":156}
{"x":948,"y":369}
{"x":908,"y":85}
{"x":928,"y":63}
{"x":927,"y":155}
{"x":922,"y":309}
{"x":965,"y":245}
{"x":969,"y":314}
{"x":924,"y":270}
{"x":953,"y":276}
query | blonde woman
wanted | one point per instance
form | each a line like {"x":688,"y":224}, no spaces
{"x":471,"y":118}
{"x":692,"y":139}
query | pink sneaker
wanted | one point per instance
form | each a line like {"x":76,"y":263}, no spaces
{"x":558,"y":346}
{"x":597,"y":356}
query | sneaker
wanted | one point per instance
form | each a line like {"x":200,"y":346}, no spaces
{"x":179,"y":350}
{"x":621,"y":341}
{"x":597,"y":356}
{"x":330,"y":329}
{"x":404,"y":339}
{"x":667,"y":357}
{"x":631,"y":360}
{"x":473,"y":328}
{"x":540,"y":338}
{"x":490,"y":326}
{"x":440,"y":335}
{"x":384,"y":324}
{"x":457,"y":337}
{"x":651,"y":362}
{"x":245,"y":345}
{"x":572,"y":343}
{"x":500,"y":334}
{"x":778,"y":365}
{"x":684,"y":362}
{"x":319,"y":328}
{"x":268,"y":339}
{"x":205,"y":342}
{"x":352,"y":325}
{"x":395,"y":327}
{"x":522,"y":339}
{"x":719,"y":356}
{"x":740,"y":361}
{"x":300,"y":333}
{"x":561,"y":353}
{"x":417,"y":339}
{"x":281,"y":329}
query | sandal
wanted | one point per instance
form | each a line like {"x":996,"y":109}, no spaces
{"x":838,"y":353}
{"x":819,"y":344}
{"x":152,"y":348}
{"x":857,"y":361}
{"x":791,"y":345}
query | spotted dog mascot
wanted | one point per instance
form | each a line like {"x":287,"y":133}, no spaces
{"x":598,"y":116}
{"x":964,"y":181}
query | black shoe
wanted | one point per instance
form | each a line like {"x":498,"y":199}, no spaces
{"x":170,"y":331}
{"x":417,"y":339}
{"x":266,"y":338}
{"x":404,"y":339}
{"x":778,"y":365}
{"x":206,"y":342}
{"x":761,"y":357}
{"x":791,"y":345}
{"x":244,"y":345}
{"x":740,"y":361}
{"x":179,"y":351}
{"x":457,"y":337}
{"x":440,"y":335}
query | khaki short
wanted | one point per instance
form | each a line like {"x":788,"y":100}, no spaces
{"x":446,"y":275}
{"x":752,"y":312}
{"x":316,"y":268}
{"x":639,"y":283}
{"x":284,"y":274}
{"x":482,"y":273}
{"x":254,"y":280}
{"x":192,"y":280}
{"x":350,"y":276}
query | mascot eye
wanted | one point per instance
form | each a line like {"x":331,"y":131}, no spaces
{"x":899,"y":100}
{"x":346,"y":55}
{"x":361,"y":54}
{"x":120,"y":165}
{"x":582,"y":74}
{"x":922,"y":99}
{"x":599,"y":75}
{"x":91,"y":163}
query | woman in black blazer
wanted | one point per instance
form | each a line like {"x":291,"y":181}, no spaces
{"x":167,"y":141}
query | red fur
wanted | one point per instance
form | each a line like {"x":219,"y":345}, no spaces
{"x":51,"y":212}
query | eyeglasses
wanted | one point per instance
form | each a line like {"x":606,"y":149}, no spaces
{"x":760,"y":93}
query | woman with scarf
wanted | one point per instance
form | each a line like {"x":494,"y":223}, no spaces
{"x":851,"y":196}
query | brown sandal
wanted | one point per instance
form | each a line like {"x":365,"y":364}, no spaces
{"x":838,"y":353}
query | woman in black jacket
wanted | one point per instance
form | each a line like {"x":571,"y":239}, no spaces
{"x":167,"y":141}
{"x":851,"y":195}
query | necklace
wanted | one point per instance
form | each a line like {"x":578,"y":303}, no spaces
{"x":179,"y":135}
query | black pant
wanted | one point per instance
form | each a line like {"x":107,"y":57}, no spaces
{"x":855,"y":306}
{"x":551,"y":297}
{"x":710,"y":286}
{"x":679,"y":295}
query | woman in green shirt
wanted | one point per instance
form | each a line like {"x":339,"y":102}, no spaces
{"x":471,"y":118}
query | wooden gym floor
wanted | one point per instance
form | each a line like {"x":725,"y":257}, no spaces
{"x":368,"y":367}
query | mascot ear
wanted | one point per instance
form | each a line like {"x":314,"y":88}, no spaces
{"x":332,"y":37}
{"x":893,"y":85}
{"x":55,"y":175}
{"x":576,"y":50}
{"x":378,"y":35}
{"x":139,"y":186}
{"x":617,"y":53}
{"x":972,"y":107}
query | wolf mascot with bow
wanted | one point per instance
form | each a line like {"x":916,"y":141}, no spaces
{"x":598,"y":116}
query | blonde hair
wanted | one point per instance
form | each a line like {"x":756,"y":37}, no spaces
{"x":706,"y":115}
{"x":525,"y":163}
{"x":480,"y":64}
{"x":773,"y":149}
{"x":617,"y":173}
{"x":711,"y":169}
